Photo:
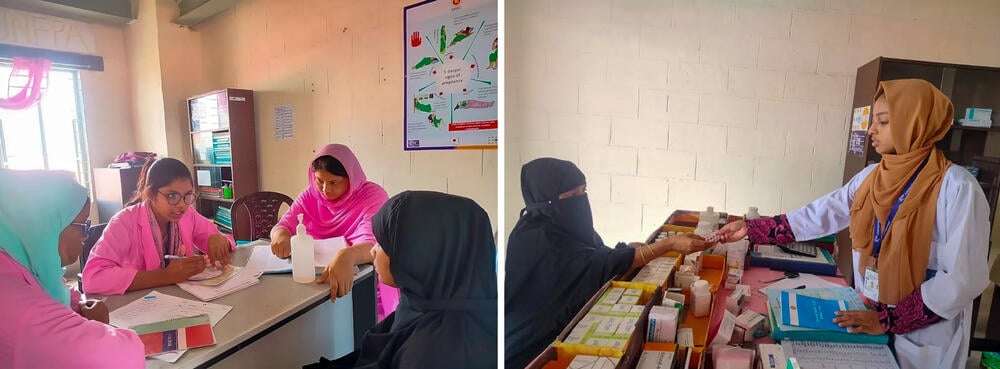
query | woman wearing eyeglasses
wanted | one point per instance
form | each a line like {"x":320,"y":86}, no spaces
{"x":151,"y":242}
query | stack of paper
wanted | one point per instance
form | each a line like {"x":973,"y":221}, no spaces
{"x":242,"y":279}
{"x":781,"y":331}
{"x":157,"y":306}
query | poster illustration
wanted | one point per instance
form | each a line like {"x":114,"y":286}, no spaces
{"x":451,"y":51}
{"x":861,"y":119}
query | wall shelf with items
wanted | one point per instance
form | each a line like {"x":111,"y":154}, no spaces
{"x":224,"y":144}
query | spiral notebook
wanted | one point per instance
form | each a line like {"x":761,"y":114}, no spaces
{"x":834,"y":355}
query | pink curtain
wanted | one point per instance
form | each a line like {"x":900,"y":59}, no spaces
{"x":26,"y":84}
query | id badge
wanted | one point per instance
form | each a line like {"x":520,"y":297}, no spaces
{"x":870,"y":289}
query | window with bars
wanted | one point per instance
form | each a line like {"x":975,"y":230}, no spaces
{"x":50,"y":134}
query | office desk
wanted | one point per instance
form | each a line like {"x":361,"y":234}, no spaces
{"x":278,"y":322}
{"x":752,"y":276}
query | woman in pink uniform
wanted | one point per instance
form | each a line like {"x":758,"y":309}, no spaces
{"x":339,"y":202}
{"x":43,"y":222}
{"x":151,"y":242}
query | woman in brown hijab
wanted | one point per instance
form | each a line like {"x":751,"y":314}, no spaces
{"x":919,"y":227}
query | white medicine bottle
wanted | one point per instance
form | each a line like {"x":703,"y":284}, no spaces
{"x":303,"y":259}
{"x":752,"y":213}
{"x":701,"y":298}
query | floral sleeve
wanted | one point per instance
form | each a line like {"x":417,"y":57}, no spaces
{"x":770,"y":231}
{"x":909,"y":315}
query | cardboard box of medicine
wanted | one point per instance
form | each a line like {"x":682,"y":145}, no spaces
{"x":651,"y":359}
{"x":978,"y":114}
{"x":771,"y":356}
{"x":750,"y":322}
{"x":617,"y":323}
{"x":593,"y":362}
{"x":663,"y":322}
{"x":733,"y":278}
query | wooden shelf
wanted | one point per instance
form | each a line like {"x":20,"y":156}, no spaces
{"x":980,"y":129}
{"x":220,"y":130}
{"x":218,"y":199}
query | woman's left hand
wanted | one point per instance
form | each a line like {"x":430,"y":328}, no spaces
{"x":340,"y":274}
{"x":219,"y":251}
{"x":860,"y":321}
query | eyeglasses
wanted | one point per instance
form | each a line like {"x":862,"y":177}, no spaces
{"x":174,"y":198}
{"x":85,"y":226}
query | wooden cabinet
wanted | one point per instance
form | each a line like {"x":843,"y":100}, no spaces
{"x":967,"y":86}
{"x":224,"y":144}
{"x":113,"y":188}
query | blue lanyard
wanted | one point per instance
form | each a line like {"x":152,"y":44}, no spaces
{"x":879,"y":231}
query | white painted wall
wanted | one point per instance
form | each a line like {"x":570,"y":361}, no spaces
{"x":339,"y":64}
{"x":687,"y":103}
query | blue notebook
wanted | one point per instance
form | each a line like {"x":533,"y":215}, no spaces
{"x":810,"y":312}
{"x":781,"y":331}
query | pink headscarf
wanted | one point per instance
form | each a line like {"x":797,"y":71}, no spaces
{"x":348,"y":216}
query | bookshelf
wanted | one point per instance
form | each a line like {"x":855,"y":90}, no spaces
{"x":224,"y":145}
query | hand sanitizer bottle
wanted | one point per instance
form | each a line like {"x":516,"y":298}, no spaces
{"x":303,"y":259}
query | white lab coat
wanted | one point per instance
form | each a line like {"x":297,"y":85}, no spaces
{"x":958,"y":252}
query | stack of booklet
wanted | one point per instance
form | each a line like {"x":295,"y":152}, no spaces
{"x":807,"y":315}
{"x":235,"y":279}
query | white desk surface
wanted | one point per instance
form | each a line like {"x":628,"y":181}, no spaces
{"x":255,"y":309}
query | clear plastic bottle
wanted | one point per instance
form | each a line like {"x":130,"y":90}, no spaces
{"x":701,"y":298}
{"x":707,"y":222}
{"x":303,"y":259}
{"x":709,"y":215}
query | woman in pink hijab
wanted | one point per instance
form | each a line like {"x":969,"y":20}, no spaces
{"x":339,"y":202}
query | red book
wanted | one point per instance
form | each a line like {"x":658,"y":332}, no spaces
{"x":176,"y":334}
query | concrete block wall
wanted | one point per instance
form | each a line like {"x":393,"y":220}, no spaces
{"x":339,"y":64}
{"x":669,"y":104}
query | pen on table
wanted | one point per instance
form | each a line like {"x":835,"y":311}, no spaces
{"x":802,"y":287}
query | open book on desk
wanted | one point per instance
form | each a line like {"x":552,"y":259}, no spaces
{"x":263,"y":260}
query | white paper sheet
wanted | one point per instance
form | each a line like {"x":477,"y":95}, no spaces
{"x":804,"y":279}
{"x":262,"y":260}
{"x":326,"y":249}
{"x":157,"y":307}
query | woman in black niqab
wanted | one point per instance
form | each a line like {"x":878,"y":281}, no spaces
{"x":440,"y":252}
{"x":556,"y":260}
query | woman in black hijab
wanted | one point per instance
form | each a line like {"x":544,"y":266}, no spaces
{"x":556,"y":260}
{"x":438,"y":249}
